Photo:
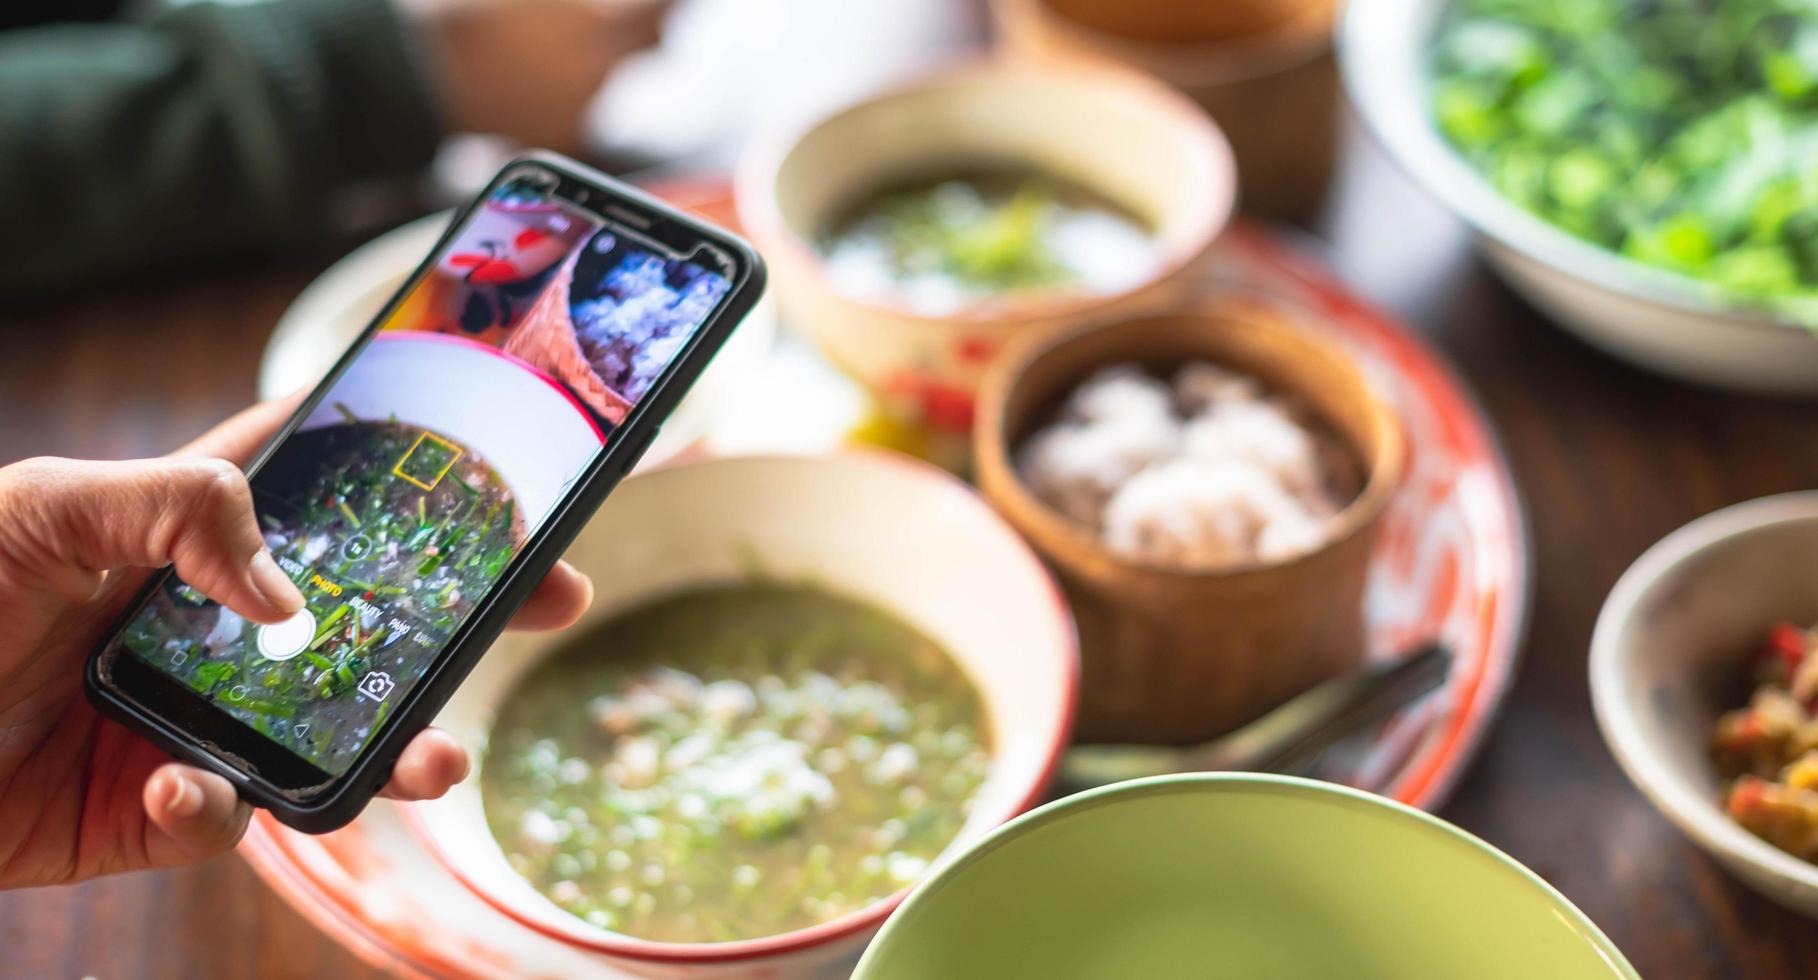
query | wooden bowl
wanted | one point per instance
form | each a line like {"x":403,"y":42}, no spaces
{"x":1113,"y":131}
{"x":1263,"y":69}
{"x":1177,"y":656}
{"x":1172,"y":21}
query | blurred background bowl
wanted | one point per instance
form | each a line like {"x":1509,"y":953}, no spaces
{"x":1239,"y":876}
{"x":1657,"y":319}
{"x":331,"y":311}
{"x":1179,"y":655}
{"x":1263,"y":69}
{"x":1671,"y":653}
{"x":1115,"y":132}
{"x":881,"y":528}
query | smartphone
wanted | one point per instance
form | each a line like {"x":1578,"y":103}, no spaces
{"x":428,"y":483}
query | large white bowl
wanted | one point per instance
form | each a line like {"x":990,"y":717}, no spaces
{"x":332,"y":310}
{"x":894,"y":532}
{"x":1670,"y":648}
{"x":1660,"y":320}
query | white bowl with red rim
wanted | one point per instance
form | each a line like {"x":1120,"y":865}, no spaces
{"x":1113,"y":131}
{"x":899,"y":534}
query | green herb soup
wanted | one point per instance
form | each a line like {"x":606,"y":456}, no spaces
{"x":1680,"y":133}
{"x":939,"y":245}
{"x":734,"y":762}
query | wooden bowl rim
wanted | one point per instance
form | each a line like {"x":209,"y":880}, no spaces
{"x":1002,"y":482}
{"x":1296,"y":41}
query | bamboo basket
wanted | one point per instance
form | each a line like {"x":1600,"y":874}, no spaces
{"x":1172,"y":656}
{"x":546,"y":338}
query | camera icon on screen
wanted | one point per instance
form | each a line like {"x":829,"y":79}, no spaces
{"x":376,"y":685}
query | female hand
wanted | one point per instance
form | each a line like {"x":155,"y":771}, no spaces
{"x":81,"y":796}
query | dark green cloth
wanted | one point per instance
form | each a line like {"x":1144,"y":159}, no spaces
{"x":197,"y":132}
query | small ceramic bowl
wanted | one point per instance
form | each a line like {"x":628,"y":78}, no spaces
{"x":1263,"y":69}
{"x":1181,"y":656}
{"x":1119,"y":133}
{"x":1670,"y":654}
{"x":879,"y":527}
{"x":1657,"y":319}
{"x":1233,"y":875}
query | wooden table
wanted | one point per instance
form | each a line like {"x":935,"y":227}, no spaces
{"x":1608,"y":458}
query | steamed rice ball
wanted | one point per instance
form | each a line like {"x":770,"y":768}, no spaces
{"x":1261,"y":433}
{"x":1207,"y":471}
{"x":1123,"y":395}
{"x":1200,"y":385}
{"x":1194,"y":513}
{"x":1075,"y":468}
{"x":1116,"y":422}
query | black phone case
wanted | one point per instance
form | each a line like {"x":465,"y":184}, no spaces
{"x":347,"y":795}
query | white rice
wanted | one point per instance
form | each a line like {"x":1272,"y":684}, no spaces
{"x":1208,"y":472}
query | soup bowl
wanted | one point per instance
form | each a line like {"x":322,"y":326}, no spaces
{"x":889,"y":531}
{"x":1117,"y":133}
{"x":1671,"y":653}
{"x":1235,"y":875}
{"x":1181,"y":655}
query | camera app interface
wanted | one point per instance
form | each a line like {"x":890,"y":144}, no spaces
{"x":413,"y":485}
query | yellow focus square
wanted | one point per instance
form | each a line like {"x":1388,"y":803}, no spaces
{"x":427,"y":461}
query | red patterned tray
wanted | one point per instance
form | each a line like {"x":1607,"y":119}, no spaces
{"x":1452,"y":562}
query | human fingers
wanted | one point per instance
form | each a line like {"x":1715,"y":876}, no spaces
{"x":431,"y":764}
{"x":68,"y":522}
{"x":194,"y":815}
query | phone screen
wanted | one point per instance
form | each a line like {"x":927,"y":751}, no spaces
{"x":436,"y":455}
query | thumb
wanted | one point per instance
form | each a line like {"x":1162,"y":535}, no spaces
{"x":194,"y":815}
{"x":68,"y":522}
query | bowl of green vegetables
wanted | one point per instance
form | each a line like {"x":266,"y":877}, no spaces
{"x":1644,"y":171}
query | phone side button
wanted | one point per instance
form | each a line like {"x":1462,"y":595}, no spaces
{"x":644,"y":444}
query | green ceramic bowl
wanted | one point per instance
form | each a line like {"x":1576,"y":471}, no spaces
{"x":1236,"y":875}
